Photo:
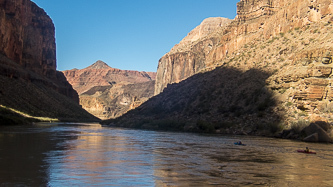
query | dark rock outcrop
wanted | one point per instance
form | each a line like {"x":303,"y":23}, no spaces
{"x":315,"y":132}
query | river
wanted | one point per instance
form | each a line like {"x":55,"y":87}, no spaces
{"x":87,"y":154}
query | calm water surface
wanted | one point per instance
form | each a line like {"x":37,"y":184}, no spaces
{"x":91,"y":155}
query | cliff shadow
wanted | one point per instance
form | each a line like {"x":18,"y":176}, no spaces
{"x":224,"y":100}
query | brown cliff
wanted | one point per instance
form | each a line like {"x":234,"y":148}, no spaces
{"x":108,"y":92}
{"x":289,"y":46}
{"x":30,"y":82}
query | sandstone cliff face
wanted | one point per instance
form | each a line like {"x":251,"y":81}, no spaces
{"x":291,"y":36}
{"x":258,"y":19}
{"x":27,"y":39}
{"x":30,"y":82}
{"x":27,"y":36}
{"x":108,"y":92}
{"x":186,"y":59}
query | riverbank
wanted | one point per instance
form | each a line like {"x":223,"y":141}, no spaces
{"x":318,"y":131}
{"x":9,"y":116}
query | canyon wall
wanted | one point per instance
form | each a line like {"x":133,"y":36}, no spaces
{"x":30,"y":81}
{"x":267,"y":70}
{"x":27,"y":36}
{"x":258,"y":19}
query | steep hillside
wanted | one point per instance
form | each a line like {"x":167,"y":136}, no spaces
{"x":108,"y":92}
{"x":107,"y":102}
{"x":30,"y":83}
{"x":100,"y":74}
{"x":288,"y":44}
{"x":225,"y":99}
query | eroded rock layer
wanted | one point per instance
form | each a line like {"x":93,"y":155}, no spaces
{"x":255,"y":20}
{"x":293,"y":39}
{"x":108,"y":92}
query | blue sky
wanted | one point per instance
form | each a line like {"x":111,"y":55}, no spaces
{"x":126,"y":34}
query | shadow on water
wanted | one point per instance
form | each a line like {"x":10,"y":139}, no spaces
{"x":23,"y":153}
{"x":88,"y":154}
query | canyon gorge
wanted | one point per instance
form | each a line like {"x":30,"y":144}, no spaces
{"x":269,"y":69}
{"x":273,"y":63}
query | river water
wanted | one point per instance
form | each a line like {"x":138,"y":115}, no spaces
{"x":91,"y":155}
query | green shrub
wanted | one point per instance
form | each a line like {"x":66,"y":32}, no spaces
{"x":289,"y":104}
{"x":299,"y":125}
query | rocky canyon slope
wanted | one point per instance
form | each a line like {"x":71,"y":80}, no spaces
{"x":29,"y":80}
{"x":109,"y":92}
{"x":273,"y":63}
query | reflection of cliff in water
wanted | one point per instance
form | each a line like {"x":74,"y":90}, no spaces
{"x":90,"y":155}
{"x":23,"y":154}
{"x":214,"y":100}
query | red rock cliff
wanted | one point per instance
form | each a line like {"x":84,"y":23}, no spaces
{"x":27,"y":38}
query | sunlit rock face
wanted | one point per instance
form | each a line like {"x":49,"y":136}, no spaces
{"x":188,"y":57}
{"x":292,"y":40}
{"x":108,"y":92}
{"x":100,"y":74}
{"x":255,"y":20}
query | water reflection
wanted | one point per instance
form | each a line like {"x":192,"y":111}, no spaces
{"x":88,"y":154}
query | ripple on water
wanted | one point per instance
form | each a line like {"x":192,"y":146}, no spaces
{"x":88,"y":154}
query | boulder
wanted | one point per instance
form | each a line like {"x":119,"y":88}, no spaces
{"x":327,"y":59}
{"x":314,"y":133}
{"x":324,"y":125}
{"x":312,"y":128}
{"x":311,"y":138}
{"x":323,"y":136}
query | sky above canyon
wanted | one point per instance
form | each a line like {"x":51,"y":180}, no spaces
{"x":126,"y":34}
